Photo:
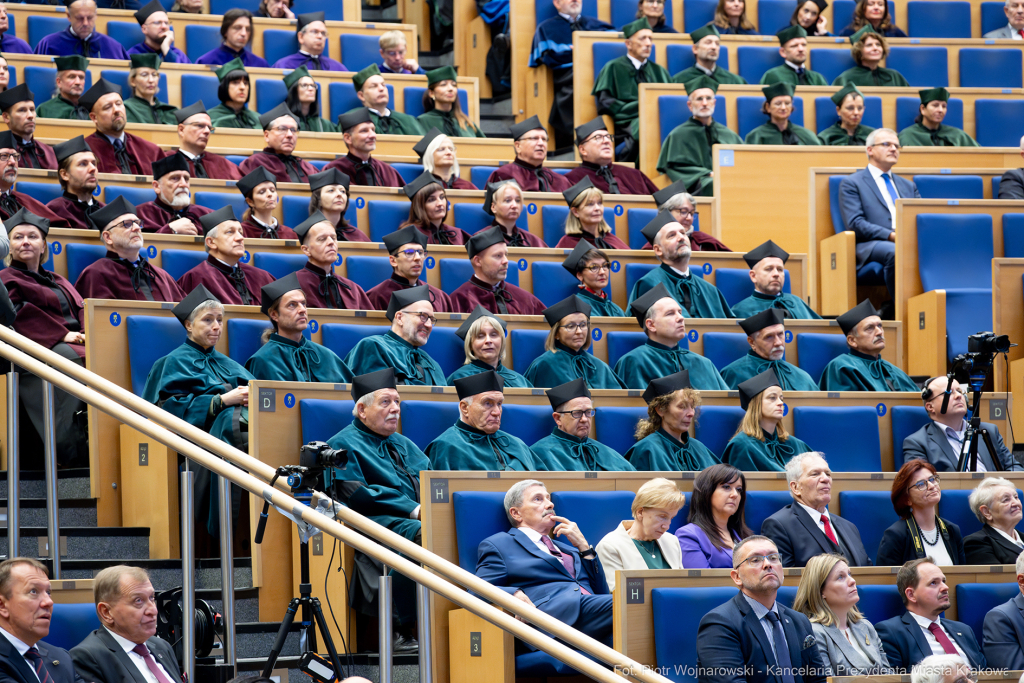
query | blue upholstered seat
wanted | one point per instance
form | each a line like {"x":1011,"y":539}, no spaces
{"x":773,"y":15}
{"x":722,"y":348}
{"x":340,"y":338}
{"x":414,"y":100}
{"x":344,"y":98}
{"x":847,"y":435}
{"x":698,"y":13}
{"x":71,"y":623}
{"x":478,"y":514}
{"x":1013,"y":234}
{"x":815,"y":351}
{"x":44,"y":192}
{"x":831,"y":62}
{"x":526,"y":346}
{"x":735,"y":284}
{"x":40,"y":80}
{"x":950,"y":186}
{"x":446,"y":349}
{"x":754,"y":60}
{"x":924,"y":67}
{"x":615,"y":426}
{"x":217,"y":200}
{"x":716,"y":425}
{"x":409,"y":172}
{"x":871,"y":512}
{"x":750,"y":116}
{"x":595,"y":512}
{"x":553,"y":219}
{"x":199,"y":40}
{"x":150,"y":338}
{"x":975,"y":600}
{"x":279,"y":265}
{"x":368,"y":271}
{"x":177,"y":262}
{"x":624,"y":11}
{"x":944,"y":19}
{"x":763,"y":504}
{"x":993,"y":118}
{"x":955,"y":508}
{"x":879,"y":602}
{"x":905,"y":421}
{"x":455,"y":272}
{"x":990,"y":68}
{"x":358,"y":51}
{"x":679,"y":56}
{"x":120,"y":78}
{"x":426,"y":420}
{"x":80,"y":256}
{"x":621,"y":343}
{"x":673,"y":111}
{"x":40,"y":26}
{"x":472,"y":218}
{"x":135,"y":195}
{"x":244,"y":338}
{"x":384,"y":217}
{"x":278,"y":44}
{"x":199,"y":87}
{"x":322,"y":419}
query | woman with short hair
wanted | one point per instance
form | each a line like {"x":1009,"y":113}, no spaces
{"x":848,"y":130}
{"x":485,"y":338}
{"x":996,"y":505}
{"x":586,"y":218}
{"x":869,"y":48}
{"x":920,"y":532}
{"x":144,"y":82}
{"x":565,"y":354}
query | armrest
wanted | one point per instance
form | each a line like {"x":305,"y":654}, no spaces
{"x":479,"y":650}
{"x":925,"y":326}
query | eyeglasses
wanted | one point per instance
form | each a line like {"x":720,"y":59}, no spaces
{"x":923,"y":484}
{"x":535,"y":138}
{"x":413,"y":253}
{"x":285,"y":130}
{"x":128,"y":224}
{"x":316,"y":32}
{"x":203,"y":126}
{"x":577,"y":414}
{"x":426,"y":318}
{"x":575,"y":327}
{"x":597,"y":268}
{"x":758,"y":560}
{"x":895,"y":145}
{"x":4,"y":156}
{"x":307,"y":86}
{"x":600,"y":137}
{"x":684,"y":214}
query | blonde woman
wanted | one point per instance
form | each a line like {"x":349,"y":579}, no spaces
{"x":586,"y":218}
{"x":437,"y":152}
{"x":485,"y":336}
{"x":565,"y":356}
{"x":761,"y":443}
{"x":663,"y":440}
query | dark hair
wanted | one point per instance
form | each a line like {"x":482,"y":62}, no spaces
{"x":640,"y":13}
{"x":418,"y":207}
{"x":704,"y":486}
{"x":591,"y":255}
{"x":901,"y":485}
{"x":795,"y":19}
{"x":292,"y":101}
{"x":262,"y":11}
{"x":5,"y":571}
{"x":428,"y":105}
{"x":908,"y":576}
{"x":230,"y":17}
{"x":64,"y":165}
{"x":859,"y":20}
{"x":314,"y":206}
{"x":222,"y":88}
{"x":767,"y":105}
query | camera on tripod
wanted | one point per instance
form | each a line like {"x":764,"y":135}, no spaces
{"x":973,"y":367}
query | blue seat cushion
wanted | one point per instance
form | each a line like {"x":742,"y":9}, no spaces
{"x":150,"y":338}
{"x":177,"y":262}
{"x":871,"y":512}
{"x":279,"y":265}
{"x":70,"y":623}
{"x":427,"y":420}
{"x":848,"y":436}
{"x":81,"y":256}
{"x":340,"y":338}
{"x":478,"y":514}
{"x":815,"y":351}
{"x":716,"y":425}
{"x":322,"y":419}
{"x":615,"y":425}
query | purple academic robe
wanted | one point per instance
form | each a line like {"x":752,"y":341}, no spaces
{"x":275,"y":163}
{"x":12,"y":43}
{"x":223,"y":55}
{"x":629,"y":180}
{"x":216,"y":277}
{"x":610,"y":241}
{"x":36,"y":155}
{"x":141,"y":154}
{"x":384,"y":69}
{"x":473,"y":293}
{"x":39,"y":314}
{"x":216,"y":167}
{"x":700,"y":241}
{"x":110,"y":278}
{"x":298,"y":59}
{"x":73,"y":210}
{"x":526,"y":175}
{"x":173,"y":56}
{"x":380,"y":296}
{"x":521,"y":238}
{"x":36,"y":207}
{"x":156,"y":216}
{"x":446,"y":234}
{"x":321,"y":293}
{"x":385,"y":175}
{"x":455,"y":183}
{"x":252,"y":229}
{"x":65,"y":43}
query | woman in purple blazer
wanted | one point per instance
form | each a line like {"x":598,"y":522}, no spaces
{"x":715,"y":520}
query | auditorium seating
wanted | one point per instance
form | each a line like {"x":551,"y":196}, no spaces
{"x":831,"y":63}
{"x":750,"y":116}
{"x":907,"y":109}
{"x":553,"y":218}
{"x":41,"y":81}
{"x":975,"y":600}
{"x":825,"y":112}
{"x":722,"y":348}
{"x":120,"y":78}
{"x":905,"y":421}
{"x":817,"y":350}
{"x":614,"y":426}
{"x":950,"y":186}
{"x":754,"y":61}
{"x":761,"y":505}
{"x":735,"y":284}
{"x":981,"y":68}
{"x":945,"y":19}
{"x":80,"y":256}
{"x":995,"y":122}
{"x":680,"y":57}
{"x":845,"y":435}
{"x":716,"y":425}
{"x":279,"y":265}
{"x":871,"y":512}
{"x":70,"y":623}
{"x":149,"y":339}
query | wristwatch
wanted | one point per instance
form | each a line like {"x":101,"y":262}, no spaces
{"x":588,"y":551}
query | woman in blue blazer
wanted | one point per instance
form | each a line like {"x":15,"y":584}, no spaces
{"x":716,"y":518}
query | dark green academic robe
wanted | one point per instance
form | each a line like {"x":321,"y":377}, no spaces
{"x":769,"y":134}
{"x":315,"y":124}
{"x":653,"y":360}
{"x":720,"y":76}
{"x":617,"y":90}
{"x":750,"y":365}
{"x":750,"y":455}
{"x":855,"y":371}
{"x":553,"y":368}
{"x":412,"y":365}
{"x":282,"y":360}
{"x":686,"y":153}
{"x":699,"y":298}
{"x":662,"y":452}
{"x":837,"y":136}
{"x":784,"y":74}
{"x":447,"y":124}
{"x":396,"y":123}
{"x":462,"y":447}
{"x":512,"y":378}
{"x":140,"y":111}
{"x":224,"y":116}
{"x":59,"y":108}
{"x":793,"y":306}
{"x":866,"y":78}
{"x":600,"y":307}
{"x":916,"y":135}
{"x":560,"y":452}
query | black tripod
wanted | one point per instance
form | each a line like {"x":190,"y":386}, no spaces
{"x":968,"y":461}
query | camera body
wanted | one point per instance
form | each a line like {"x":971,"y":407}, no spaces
{"x":988,"y":343}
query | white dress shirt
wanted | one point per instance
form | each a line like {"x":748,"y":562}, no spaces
{"x":1014,"y":33}
{"x":138,"y":660}
{"x":816,"y":518}
{"x":924,"y":622}
{"x":956,"y":440}
{"x":876,"y":174}
{"x":535,"y":536}
{"x":636,"y":62}
{"x":1015,"y":539}
{"x":21,"y":647}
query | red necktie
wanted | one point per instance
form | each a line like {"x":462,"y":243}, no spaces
{"x":567,"y":560}
{"x":36,"y":659}
{"x":828,"y":529}
{"x":1020,"y":31}
{"x":944,"y":641}
{"x":141,"y":649}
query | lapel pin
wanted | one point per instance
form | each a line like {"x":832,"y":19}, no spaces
{"x":808,"y":642}
{"x":56,"y":662}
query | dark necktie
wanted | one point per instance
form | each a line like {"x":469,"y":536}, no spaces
{"x":606,"y":173}
{"x":365,"y":170}
{"x":36,"y":660}
{"x":237,"y":277}
{"x":876,"y":76}
{"x":293,"y":167}
{"x":330,"y":289}
{"x":684,"y":290}
{"x":641,"y":74}
{"x":80,"y":112}
{"x":141,"y":649}
{"x":944,"y":641}
{"x":269,"y":233}
{"x":542,"y":182}
{"x":502,"y":299}
{"x":140,"y":277}
{"x":781,"y":649}
{"x":937,"y":140}
{"x":30,"y":154}
{"x":9,"y":204}
{"x":199,"y":167}
{"x":123,"y":160}
{"x":315,"y":61}
{"x":84,"y":46}
{"x":566,"y":560}
{"x":241,"y":119}
{"x":801,"y":75}
{"x":709,"y":135}
{"x":384,"y":124}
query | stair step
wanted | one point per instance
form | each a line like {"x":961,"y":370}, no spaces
{"x":120,"y":543}
{"x":71,"y":483}
{"x":80,"y":512}
{"x":166,"y":574}
{"x":255,"y":639}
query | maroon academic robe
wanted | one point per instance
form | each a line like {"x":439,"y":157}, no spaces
{"x":38,"y":306}
{"x":73,"y":210}
{"x":455,"y":183}
{"x":331,"y":291}
{"x":701,"y":241}
{"x":380,"y":296}
{"x":157,"y":216}
{"x":112,"y":278}
{"x":521,"y":238}
{"x":527,"y":176}
{"x":445,"y":234}
{"x":607,"y":241}
{"x":475,"y":293}
{"x":141,"y":154}
{"x":216,"y":276}
{"x":629,"y":180}
{"x":215,"y":166}
{"x":36,"y":155}
{"x":252,"y":229}
{"x":36,"y":207}
{"x":275,"y":163}
{"x":373,"y":172}
{"x":350,"y":234}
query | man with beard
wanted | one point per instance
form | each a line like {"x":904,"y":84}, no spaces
{"x":172,"y":211}
{"x":598,"y":154}
{"x":76,"y":172}
{"x":863,"y":369}
{"x":81,"y":37}
{"x":158,"y":34}
{"x":768,"y":273}
{"x":280,"y":133}
{"x":766,"y":334}
{"x":10,"y":200}
{"x":360,"y":136}
{"x":116,"y":151}
{"x":19,"y":113}
{"x":194,"y":130}
{"x":707,"y":46}
{"x":318,"y":240}
{"x":70,"y":84}
{"x":488,"y":254}
{"x":408,"y":250}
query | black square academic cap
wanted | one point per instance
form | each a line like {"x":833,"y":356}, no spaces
{"x":421,"y":147}
{"x":576,"y":190}
{"x":567,"y":306}
{"x":767,"y":250}
{"x":73,"y":146}
{"x":419,"y":182}
{"x":478,"y":312}
{"x":651,"y":230}
{"x":589,"y":128}
{"x":145,"y":60}
{"x":849,"y":320}
{"x":175,"y":162}
{"x":250,"y":180}
{"x":822,"y":4}
{"x":71,"y":63}
{"x":373,"y":381}
{"x":221,"y":215}
{"x":7,"y":140}
{"x":331,"y":176}
{"x":352,"y":119}
{"x":148,"y":10}
{"x":406,"y":297}
{"x":302,"y":228}
{"x":564,"y":393}
{"x":484,"y":239}
{"x":491,"y":188}
{"x":642,"y":304}
{"x":19,"y":93}
{"x":393,"y":241}
{"x":25,"y":217}
{"x":271,"y":292}
{"x":480,"y":383}
{"x":99,"y":89}
{"x":302,"y":20}
{"x":191,"y":302}
{"x":766,"y":318}
{"x":668,"y":192}
{"x":572,"y":261}
{"x":755,"y":385}
{"x":103,"y":217}
{"x":182,"y":115}
{"x":789,"y":33}
{"x":518,"y":130}
{"x":276,"y":113}
{"x":660,"y":386}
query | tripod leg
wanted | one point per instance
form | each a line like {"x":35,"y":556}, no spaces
{"x":318,"y":614}
{"x":992,"y":450}
{"x":282,"y":635}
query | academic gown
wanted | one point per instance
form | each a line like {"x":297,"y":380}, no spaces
{"x":330,"y":290}
{"x":286,"y":168}
{"x":350,"y":234}
{"x":47,"y":305}
{"x":59,"y":108}
{"x":866,"y":78}
{"x":770,"y":134}
{"x":719,"y":75}
{"x":157,"y":216}
{"x":699,"y":298}
{"x":380,"y":296}
{"x":219,"y":278}
{"x":35,"y":206}
{"x":750,"y":455}
{"x":112,"y":277}
{"x":65,"y":43}
{"x":313,"y":63}
{"x":75,"y":211}
{"x":448,"y":124}
{"x":751,"y":365}
{"x":141,"y":111}
{"x":252,"y":229}
{"x":786,"y":74}
{"x":282,"y":360}
{"x":373,"y":173}
{"x":700,"y":241}
{"x":224,"y":116}
{"x":855,"y":371}
{"x":173,"y":56}
{"x":560,"y":452}
{"x":600,"y":306}
{"x":553,"y":368}
{"x":916,"y":135}
{"x":519,"y":237}
{"x":224,"y":54}
{"x":617,"y":90}
{"x":141,"y":154}
{"x":652,"y":360}
{"x":444,"y":234}
{"x":213,"y":166}
{"x":395,"y":123}
{"x":506,"y":299}
{"x":837,"y":136}
{"x":686,"y":153}
{"x":627,"y":180}
{"x":461,"y":447}
{"x":793,"y":306}
{"x":530,"y":177}
{"x":412,"y":365}
{"x":662,"y":452}
{"x":605,"y":241}
{"x":12,"y":43}
{"x":35,"y":154}
{"x":314,"y":123}
{"x":455,"y":183}
{"x":512,"y":378}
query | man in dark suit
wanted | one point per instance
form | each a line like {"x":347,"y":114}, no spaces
{"x":752,"y":637}
{"x":805,"y":527}
{"x":939,"y":442}
{"x":25,"y":612}
{"x":867,"y":200}
{"x":125,"y":648}
{"x":921,"y":632}
{"x":1011,"y":185}
{"x":565,"y":580}
{"x":1003,"y":633}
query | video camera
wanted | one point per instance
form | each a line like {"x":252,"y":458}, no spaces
{"x":972,"y":368}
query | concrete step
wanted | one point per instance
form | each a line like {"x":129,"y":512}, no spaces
{"x":79,"y":512}
{"x":106,"y":543}
{"x":72,"y":483}
{"x":166,"y":574}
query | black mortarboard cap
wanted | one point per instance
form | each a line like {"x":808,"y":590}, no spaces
{"x":145,"y":60}
{"x":489,"y":194}
{"x":766,"y":250}
{"x":331,"y":176}
{"x":589,"y":128}
{"x":302,"y":20}
{"x":421,"y":147}
{"x":789,"y":33}
{"x":271,"y":292}
{"x":564,"y":393}
{"x":703,"y":32}
{"x":102,"y":217}
{"x":572,"y":261}
{"x":250,"y":180}
{"x":71,"y":63}
{"x":766,"y":318}
{"x":849,"y":320}
{"x":353,"y":118}
{"x":641,"y":304}
{"x":661,"y":386}
{"x":480,"y":383}
{"x":518,"y":130}
{"x":99,"y":89}
{"x":444,"y":73}
{"x":70,"y":147}
{"x":419,"y":182}
{"x":668,"y":192}
{"x":302,"y":228}
{"x":567,"y":306}
{"x":393,"y":241}
{"x":478,"y":312}
{"x":221,"y":215}
{"x":191,"y":302}
{"x":373,"y":381}
{"x":484,"y":239}
{"x":822,"y":4}
{"x":778,"y":90}
{"x":401,"y":298}
{"x":651,"y":230}
{"x":148,"y":10}
{"x":7,"y":140}
{"x":576,"y":190}
{"x":276,"y":113}
{"x":755,"y":385}
{"x":19,"y":93}
{"x":169,"y":164}
{"x":181,"y":115}
{"x":25,"y":217}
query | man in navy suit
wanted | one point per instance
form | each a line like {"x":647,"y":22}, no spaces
{"x":752,"y":637}
{"x":1003,"y":633}
{"x":564,"y":580}
{"x":867,"y":200}
{"x":921,"y":632}
{"x":25,"y":612}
